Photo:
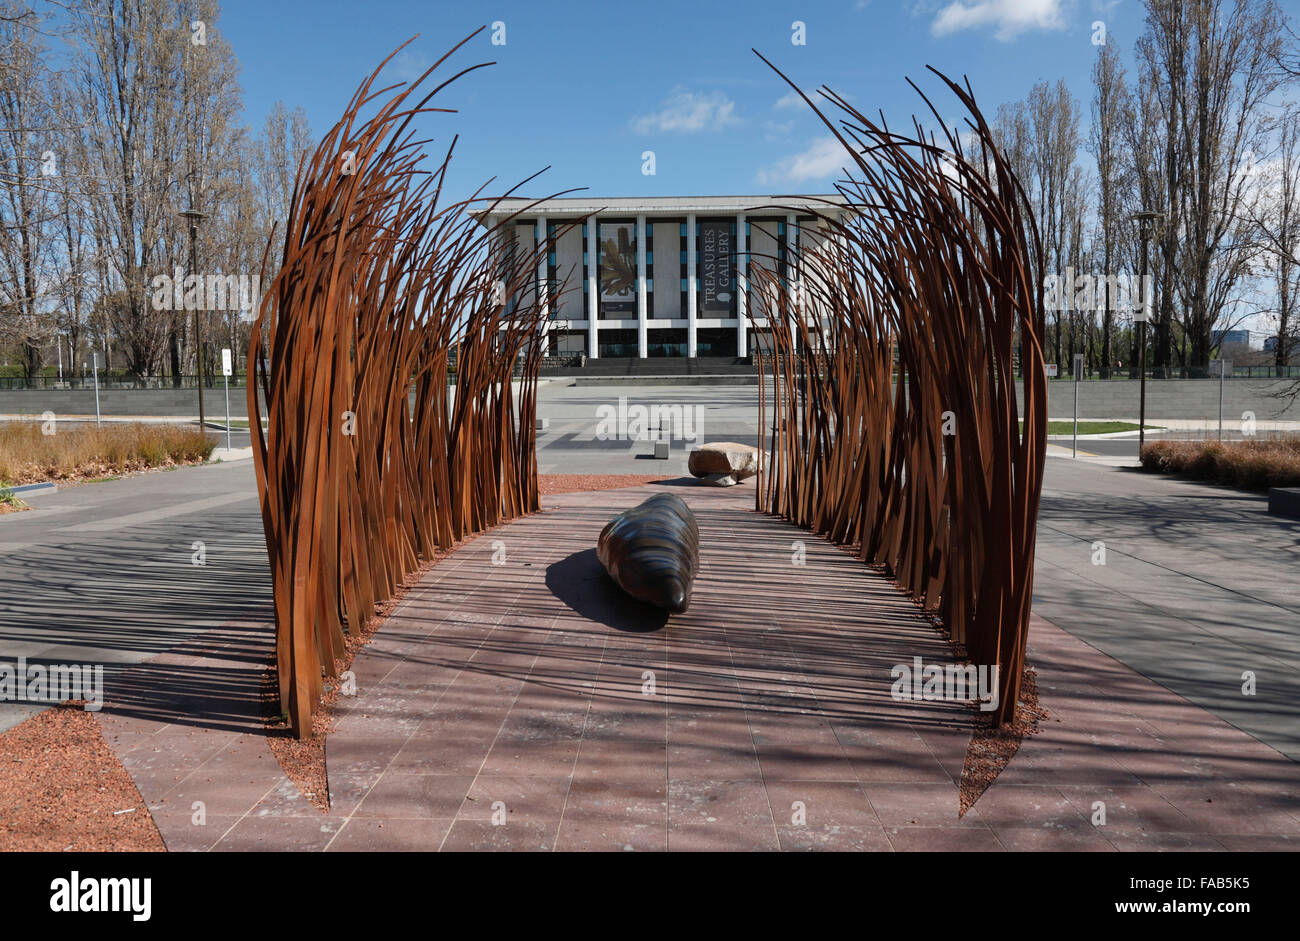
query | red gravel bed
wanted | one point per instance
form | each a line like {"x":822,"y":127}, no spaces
{"x":550,"y":484}
{"x":62,"y":788}
{"x":991,"y":749}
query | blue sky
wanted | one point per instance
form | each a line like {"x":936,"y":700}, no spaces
{"x":586,"y":87}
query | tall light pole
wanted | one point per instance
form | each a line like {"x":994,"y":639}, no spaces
{"x":1144,"y":219}
{"x":195,"y":217}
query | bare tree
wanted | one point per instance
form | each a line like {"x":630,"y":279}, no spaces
{"x":1040,"y":136}
{"x":1275,"y":219}
{"x":286,"y":140}
{"x":27,"y":209}
{"x":1110,"y":106}
{"x":212,"y":142}
{"x":1209,"y":67}
{"x":128,"y":72}
{"x":159,"y":86}
{"x":73,"y":284}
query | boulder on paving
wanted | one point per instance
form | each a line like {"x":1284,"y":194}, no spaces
{"x":727,"y":458}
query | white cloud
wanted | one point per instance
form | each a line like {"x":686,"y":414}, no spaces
{"x":789,"y":100}
{"x":408,"y":65}
{"x":687,"y":112}
{"x":824,"y":158}
{"x":777,"y":130}
{"x":1011,"y":17}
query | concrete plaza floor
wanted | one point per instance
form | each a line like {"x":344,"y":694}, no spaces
{"x":1192,"y":585}
{"x":116,"y":573}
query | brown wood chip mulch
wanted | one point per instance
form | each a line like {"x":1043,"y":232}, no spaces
{"x":63,"y":788}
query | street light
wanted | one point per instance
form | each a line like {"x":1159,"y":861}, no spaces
{"x":195,"y":217}
{"x":1144,"y":219}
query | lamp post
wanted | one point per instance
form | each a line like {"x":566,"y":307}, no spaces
{"x":1144,"y":219}
{"x":195,"y":217}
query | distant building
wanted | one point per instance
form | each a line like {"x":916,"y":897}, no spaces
{"x":1251,"y":339}
{"x":658,"y":276}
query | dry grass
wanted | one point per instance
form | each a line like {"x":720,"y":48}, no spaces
{"x":78,"y":451}
{"x":1247,"y":465}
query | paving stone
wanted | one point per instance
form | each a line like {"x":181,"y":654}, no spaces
{"x":366,"y":834}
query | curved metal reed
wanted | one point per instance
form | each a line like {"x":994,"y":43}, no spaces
{"x":888,"y":370}
{"x":384,"y":352}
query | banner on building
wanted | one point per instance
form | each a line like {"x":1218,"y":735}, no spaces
{"x":717,"y":279}
{"x":618,"y":268}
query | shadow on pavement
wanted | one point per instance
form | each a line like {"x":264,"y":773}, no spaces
{"x":580,"y":581}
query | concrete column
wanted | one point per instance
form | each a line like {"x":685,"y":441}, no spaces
{"x":690,"y":285}
{"x":642,"y":341}
{"x":593,"y":289}
{"x":792,"y":274}
{"x":543,"y":288}
{"x":742,"y":286}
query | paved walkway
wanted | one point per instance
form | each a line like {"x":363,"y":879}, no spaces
{"x":1198,"y":588}
{"x":523,"y":706}
{"x":106,"y":573}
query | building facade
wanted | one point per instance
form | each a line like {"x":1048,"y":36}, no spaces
{"x":659,"y":276}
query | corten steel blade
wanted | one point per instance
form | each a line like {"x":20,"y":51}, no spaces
{"x":889,"y":357}
{"x":384,"y":353}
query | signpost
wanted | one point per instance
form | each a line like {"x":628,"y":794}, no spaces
{"x":1078,"y":373}
{"x":1223,"y":367}
{"x":225,"y":372}
{"x":1141,"y":315}
{"x":94,"y":368}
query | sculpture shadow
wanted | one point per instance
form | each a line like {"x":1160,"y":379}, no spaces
{"x":581,"y":582}
{"x":689,"y":481}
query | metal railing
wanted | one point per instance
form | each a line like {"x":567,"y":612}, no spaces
{"x":115,"y":382}
{"x":1181,"y":372}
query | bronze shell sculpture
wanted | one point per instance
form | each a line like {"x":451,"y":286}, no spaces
{"x":652,"y":551}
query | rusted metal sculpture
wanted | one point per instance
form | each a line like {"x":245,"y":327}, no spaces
{"x":652,"y":551}
{"x":385,"y":358}
{"x":890,"y":376}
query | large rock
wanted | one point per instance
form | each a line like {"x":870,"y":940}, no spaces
{"x":725,"y":458}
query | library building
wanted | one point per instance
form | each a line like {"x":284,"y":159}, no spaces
{"x":659,"y":276}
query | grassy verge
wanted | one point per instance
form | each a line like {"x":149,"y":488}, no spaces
{"x":234,"y":422}
{"x":86,"y":451}
{"x":1094,"y":427}
{"x":1247,"y":465}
